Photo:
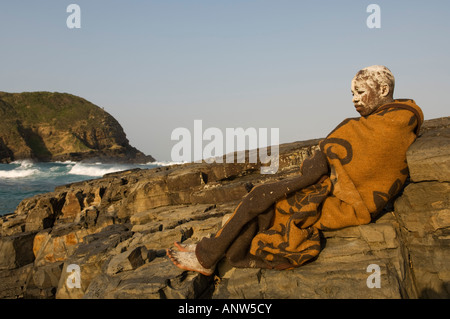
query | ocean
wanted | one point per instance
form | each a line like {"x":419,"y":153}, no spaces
{"x":23,"y":179}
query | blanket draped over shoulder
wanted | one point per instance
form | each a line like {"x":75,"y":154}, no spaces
{"x":361,"y":165}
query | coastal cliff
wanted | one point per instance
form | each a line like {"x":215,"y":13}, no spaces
{"x":115,"y":230}
{"x":50,"y":126}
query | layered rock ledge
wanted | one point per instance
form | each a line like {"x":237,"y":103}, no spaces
{"x":116,"y":229}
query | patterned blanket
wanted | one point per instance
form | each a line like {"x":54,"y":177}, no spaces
{"x":361,"y":165}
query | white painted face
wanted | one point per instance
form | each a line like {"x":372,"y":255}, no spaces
{"x":366,"y":98}
{"x":372,"y":87}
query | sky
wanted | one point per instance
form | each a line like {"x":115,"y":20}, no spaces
{"x":159,"y":65}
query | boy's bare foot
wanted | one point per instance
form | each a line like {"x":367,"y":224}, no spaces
{"x":185,"y":247}
{"x":187,"y":260}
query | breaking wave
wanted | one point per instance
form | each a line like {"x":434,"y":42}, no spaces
{"x":94,"y":170}
{"x":157,"y":163}
{"x":19,"y":169}
{"x":21,"y":179}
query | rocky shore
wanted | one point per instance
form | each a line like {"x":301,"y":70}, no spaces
{"x":115,"y":230}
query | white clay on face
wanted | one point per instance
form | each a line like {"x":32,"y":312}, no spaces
{"x":359,"y":89}
{"x":371,"y":87}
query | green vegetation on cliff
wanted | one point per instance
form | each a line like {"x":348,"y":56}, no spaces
{"x":48,"y":126}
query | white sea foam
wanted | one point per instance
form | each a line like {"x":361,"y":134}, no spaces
{"x":95,"y":170}
{"x":65,"y":162}
{"x":164,"y":163}
{"x":24,"y":163}
{"x":18,"y":173}
{"x":24,"y":170}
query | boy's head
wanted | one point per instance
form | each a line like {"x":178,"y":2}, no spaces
{"x":372,"y":87}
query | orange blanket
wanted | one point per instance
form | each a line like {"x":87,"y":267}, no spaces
{"x":367,"y":167}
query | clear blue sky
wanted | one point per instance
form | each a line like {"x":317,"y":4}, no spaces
{"x":287,"y":64}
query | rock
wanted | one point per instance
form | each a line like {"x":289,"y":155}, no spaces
{"x":428,"y":157}
{"x":73,"y":206}
{"x":43,"y":281}
{"x":424,"y":213}
{"x":155,"y":280}
{"x":34,"y":214}
{"x":113,"y":233}
{"x":129,"y":260}
{"x":13,"y":224}
{"x":13,"y":282}
{"x":16,"y":250}
{"x":56,"y":245}
{"x":90,"y":256}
